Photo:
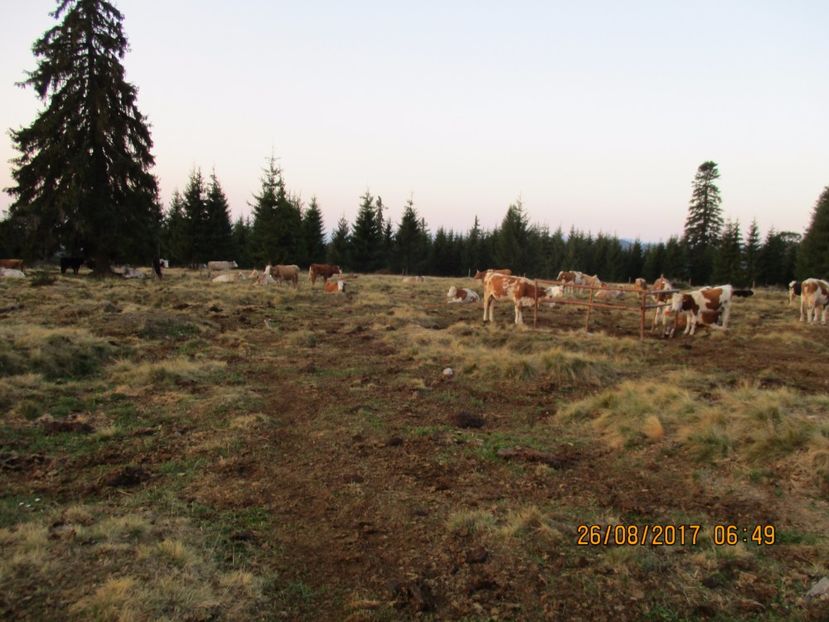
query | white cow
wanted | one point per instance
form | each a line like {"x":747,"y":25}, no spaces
{"x":814,"y":297}
{"x":11,"y":273}
{"x":461,"y":295}
{"x":219,"y":266}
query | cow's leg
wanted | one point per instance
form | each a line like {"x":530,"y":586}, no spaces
{"x":725,"y":315}
{"x":519,"y":319}
{"x":823,"y":316}
{"x":690,"y":324}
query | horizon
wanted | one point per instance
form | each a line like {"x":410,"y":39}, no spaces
{"x":461,"y":107}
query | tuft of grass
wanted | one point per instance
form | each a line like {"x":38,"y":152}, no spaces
{"x":166,"y":372}
{"x":55,"y":353}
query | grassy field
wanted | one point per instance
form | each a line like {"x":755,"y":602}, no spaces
{"x":184,"y":450}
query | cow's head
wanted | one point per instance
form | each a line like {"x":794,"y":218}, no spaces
{"x":480,"y":275}
{"x":452,"y":293}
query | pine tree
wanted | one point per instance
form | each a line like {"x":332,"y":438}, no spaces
{"x":511,"y":240}
{"x":366,"y":237}
{"x":751,"y":253}
{"x":241,"y":235}
{"x":82,"y":177}
{"x":338,"y":250}
{"x":195,"y":216}
{"x":265,"y":229}
{"x":218,"y":230}
{"x":813,"y":256}
{"x":704,"y":222}
{"x":175,"y":242}
{"x":728,"y":266}
{"x":410,"y":247}
{"x":313,"y":234}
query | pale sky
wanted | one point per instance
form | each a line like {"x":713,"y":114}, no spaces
{"x":597,"y":114}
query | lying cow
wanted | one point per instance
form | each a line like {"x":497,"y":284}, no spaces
{"x":523,"y":293}
{"x":411,"y":280}
{"x":569,"y":278}
{"x":11,"y":273}
{"x":334,"y":287}
{"x":480,"y":275}
{"x":794,"y":291}
{"x":814,"y":297}
{"x":14,"y":264}
{"x":325,"y":270}
{"x":709,"y":306}
{"x":262,"y":279}
{"x":607,"y":294}
{"x":227,"y":277}
{"x":461,"y":295}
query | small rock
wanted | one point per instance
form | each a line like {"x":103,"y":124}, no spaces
{"x":464,"y":419}
{"x":394,"y":441}
{"x":448,"y":372}
{"x":821,"y":588}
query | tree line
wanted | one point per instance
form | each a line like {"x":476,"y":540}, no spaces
{"x":83,"y":187}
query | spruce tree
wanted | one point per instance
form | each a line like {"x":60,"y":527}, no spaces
{"x":338,"y":250}
{"x":241,"y":235}
{"x":82,"y":177}
{"x":175,"y":241}
{"x":366,"y":237}
{"x":218,"y":230}
{"x":813,"y":256}
{"x":410,"y":248}
{"x":313,"y":234}
{"x":265,"y":228}
{"x":751,"y":253}
{"x":704,"y":222}
{"x":511,"y":240}
{"x":728,"y":266}
{"x":195,"y":215}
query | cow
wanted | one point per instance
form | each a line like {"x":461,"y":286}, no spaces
{"x":660,"y":285}
{"x":814,"y":296}
{"x":15,"y":264}
{"x":569,"y":278}
{"x":220,"y":266}
{"x":334,"y":287}
{"x":71,"y":262}
{"x":157,"y":267}
{"x":592,"y":281}
{"x":794,"y":291}
{"x":410,"y":280}
{"x":523,"y":293}
{"x":325,"y":270}
{"x":285,"y":273}
{"x":604,"y":293}
{"x":640,"y":283}
{"x":709,"y":306}
{"x":227,"y":277}
{"x":11,"y":273}
{"x":262,"y":279}
{"x":461,"y":295}
{"x":480,"y":275}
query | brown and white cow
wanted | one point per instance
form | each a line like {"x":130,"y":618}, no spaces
{"x":521,"y":291}
{"x":795,"y":288}
{"x":325,"y":270}
{"x":606,"y":294}
{"x":640,"y":283}
{"x":461,"y":295}
{"x":709,"y":306}
{"x":660,"y":285}
{"x":814,"y":297}
{"x":569,"y":278}
{"x":481,"y":274}
{"x":334,"y":287}
{"x":14,"y":264}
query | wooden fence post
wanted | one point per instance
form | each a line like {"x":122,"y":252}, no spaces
{"x":589,"y":309}
{"x":535,"y":306}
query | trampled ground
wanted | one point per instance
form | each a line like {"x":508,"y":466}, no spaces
{"x":194,"y":451}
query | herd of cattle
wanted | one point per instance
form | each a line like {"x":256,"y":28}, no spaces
{"x":675,"y":310}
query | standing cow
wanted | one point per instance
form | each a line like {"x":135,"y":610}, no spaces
{"x":814,"y":297}
{"x":325,"y":270}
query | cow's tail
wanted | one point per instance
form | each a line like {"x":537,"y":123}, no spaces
{"x":743,"y":293}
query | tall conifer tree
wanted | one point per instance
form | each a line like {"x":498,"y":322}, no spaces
{"x":813,"y":256}
{"x":218,"y":230}
{"x":82,"y":177}
{"x":704,"y":222}
{"x":313,"y":233}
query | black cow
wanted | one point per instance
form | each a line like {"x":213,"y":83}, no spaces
{"x":70,"y":262}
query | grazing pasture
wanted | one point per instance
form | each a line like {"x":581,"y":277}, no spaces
{"x":189,"y":450}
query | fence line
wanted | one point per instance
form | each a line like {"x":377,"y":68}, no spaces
{"x":641,"y":308}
